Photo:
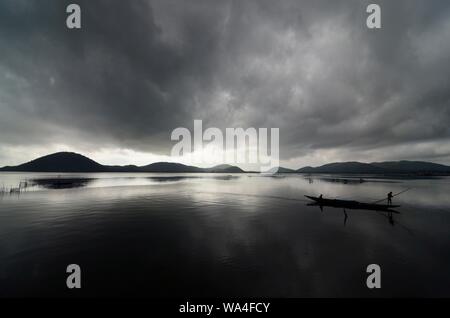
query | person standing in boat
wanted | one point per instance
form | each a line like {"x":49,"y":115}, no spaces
{"x":389,"y":198}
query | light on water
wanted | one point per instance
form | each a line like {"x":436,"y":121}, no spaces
{"x":221,"y":235}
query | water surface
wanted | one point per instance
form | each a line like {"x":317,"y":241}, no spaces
{"x":220,"y":235}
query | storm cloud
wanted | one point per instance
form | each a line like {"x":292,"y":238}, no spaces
{"x":139,"y":69}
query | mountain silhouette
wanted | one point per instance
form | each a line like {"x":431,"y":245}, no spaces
{"x":412,"y":166}
{"x":224,"y":169}
{"x":73,"y":162}
{"x":285,"y":170}
{"x":169,"y":167}
{"x":388,"y":167}
{"x":60,"y":162}
{"x":343,"y":167}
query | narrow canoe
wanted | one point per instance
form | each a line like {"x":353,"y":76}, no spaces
{"x":350,"y":204}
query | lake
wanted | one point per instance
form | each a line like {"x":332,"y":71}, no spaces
{"x":179,"y":235}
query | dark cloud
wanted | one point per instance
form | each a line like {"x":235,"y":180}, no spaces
{"x":137,"y":70}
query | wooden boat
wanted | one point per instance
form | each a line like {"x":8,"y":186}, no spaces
{"x":355,"y":205}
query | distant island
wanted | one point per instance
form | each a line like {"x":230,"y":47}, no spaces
{"x":386,"y":167}
{"x":73,"y":162}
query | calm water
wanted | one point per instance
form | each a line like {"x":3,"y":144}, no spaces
{"x":220,"y":235}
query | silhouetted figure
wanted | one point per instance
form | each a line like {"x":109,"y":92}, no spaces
{"x":320,"y":196}
{"x":389,"y":198}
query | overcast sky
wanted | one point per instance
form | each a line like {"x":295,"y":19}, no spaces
{"x":116,"y":89}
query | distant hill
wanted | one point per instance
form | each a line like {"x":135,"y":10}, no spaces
{"x":73,"y":162}
{"x":224,"y":169}
{"x":60,"y":162}
{"x":285,"y":170}
{"x":343,"y":167}
{"x":412,"y":166}
{"x":280,"y":170}
{"x":169,"y":167}
{"x":388,"y":167}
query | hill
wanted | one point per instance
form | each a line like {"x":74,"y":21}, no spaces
{"x":60,"y":162}
{"x":224,"y":169}
{"x":73,"y":162}
{"x":388,"y":167}
{"x":412,"y":166}
{"x":169,"y":167}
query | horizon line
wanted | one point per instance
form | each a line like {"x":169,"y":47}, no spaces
{"x":218,"y":164}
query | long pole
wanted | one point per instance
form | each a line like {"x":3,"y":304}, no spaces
{"x":394,"y":195}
